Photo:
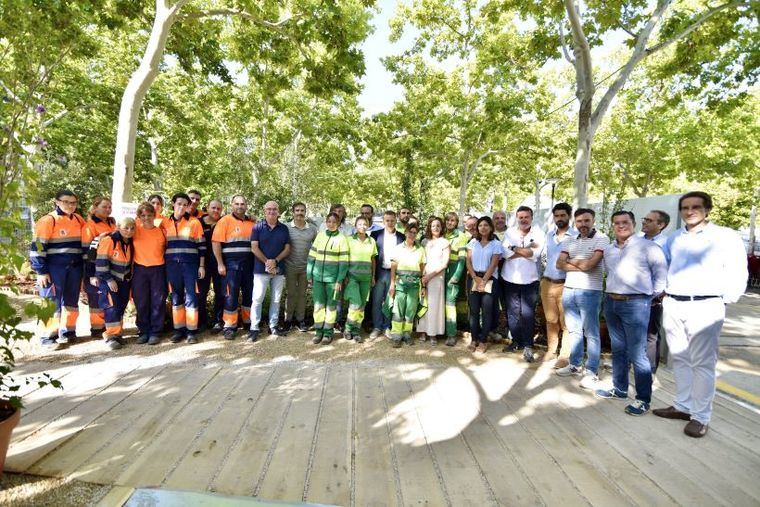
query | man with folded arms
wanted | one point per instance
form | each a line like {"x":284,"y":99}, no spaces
{"x":708,"y":269}
{"x":636,"y":271}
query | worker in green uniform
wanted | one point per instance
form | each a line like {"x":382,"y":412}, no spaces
{"x":326,"y":269}
{"x":362,"y":252}
{"x":407,"y":267}
{"x":454,"y":272}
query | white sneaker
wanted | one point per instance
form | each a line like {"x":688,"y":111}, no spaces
{"x":388,"y":333}
{"x":375,"y":333}
{"x":590,"y":381}
{"x":569,"y":371}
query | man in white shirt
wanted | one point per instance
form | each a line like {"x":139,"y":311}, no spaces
{"x":708,"y":269}
{"x":522,"y":244}
{"x":636,"y":270}
{"x":582,"y":296}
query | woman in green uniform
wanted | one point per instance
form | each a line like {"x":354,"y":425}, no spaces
{"x":407,"y":266}
{"x":326,"y":269}
{"x":362,"y":251}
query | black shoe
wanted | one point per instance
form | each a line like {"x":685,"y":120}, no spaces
{"x":177,"y":337}
{"x":229,"y":333}
{"x":192,"y":339}
{"x":218,"y":328}
{"x":142,"y":339}
{"x":511,"y":348}
{"x":408,"y":340}
{"x":451,"y":341}
{"x":302,"y":327}
{"x":396,"y":343}
{"x":433,"y":341}
{"x":316,"y":339}
{"x":154,"y":340}
{"x":277,"y":331}
{"x":253,"y":335}
{"x":358,"y":338}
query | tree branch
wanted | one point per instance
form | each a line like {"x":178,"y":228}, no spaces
{"x":565,"y":52}
{"x":211,"y":13}
{"x":583,"y":69}
{"x":639,"y":52}
{"x":696,"y":24}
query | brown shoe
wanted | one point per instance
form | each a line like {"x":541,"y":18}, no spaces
{"x":695,"y":429}
{"x":561,"y":363}
{"x":671,"y":413}
{"x":472,"y":346}
{"x":482,"y":348}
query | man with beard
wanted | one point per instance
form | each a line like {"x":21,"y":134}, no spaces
{"x":551,"y":286}
{"x":581,"y":258}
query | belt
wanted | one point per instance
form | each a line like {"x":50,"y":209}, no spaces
{"x":626,"y":297}
{"x":552,"y":280}
{"x":691,"y":298}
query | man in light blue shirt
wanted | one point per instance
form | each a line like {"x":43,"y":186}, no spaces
{"x":636,"y":271}
{"x":708,"y":269}
{"x":652,"y":227}
{"x":551,"y":286}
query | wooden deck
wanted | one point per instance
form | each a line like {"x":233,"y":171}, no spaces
{"x":494,"y":432}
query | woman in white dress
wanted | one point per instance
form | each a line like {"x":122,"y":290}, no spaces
{"x":437,"y":249}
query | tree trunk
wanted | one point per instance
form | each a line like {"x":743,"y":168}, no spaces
{"x":463,"y":183}
{"x":134,"y":94}
{"x":583,"y":155}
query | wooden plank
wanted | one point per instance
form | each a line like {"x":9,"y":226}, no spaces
{"x":70,"y":456}
{"x":67,"y":425}
{"x":728,"y":460}
{"x":376,"y":474}
{"x":116,"y":497}
{"x":54,"y":404}
{"x":241,"y":467}
{"x":329,"y":480}
{"x":162,"y":454}
{"x":640,"y":440}
{"x":744,"y":425}
{"x":206,"y":454}
{"x":464,"y":479}
{"x":549,"y":479}
{"x":160,"y":413}
{"x":284,"y":474}
{"x":419,"y":476}
{"x":508,"y":482}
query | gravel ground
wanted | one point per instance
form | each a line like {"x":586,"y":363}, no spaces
{"x":22,"y":490}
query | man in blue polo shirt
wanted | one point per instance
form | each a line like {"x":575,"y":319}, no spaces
{"x":270,"y":243}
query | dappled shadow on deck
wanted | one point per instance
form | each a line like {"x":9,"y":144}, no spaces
{"x":331,"y":425}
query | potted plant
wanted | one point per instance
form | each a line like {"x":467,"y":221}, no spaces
{"x":10,"y":399}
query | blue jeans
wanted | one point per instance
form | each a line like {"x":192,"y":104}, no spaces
{"x":379,"y":292}
{"x":260,"y":283}
{"x":627,"y":322}
{"x":582,"y":318}
{"x":521,"y":312}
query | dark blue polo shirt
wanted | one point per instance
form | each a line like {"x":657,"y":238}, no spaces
{"x":272,"y":241}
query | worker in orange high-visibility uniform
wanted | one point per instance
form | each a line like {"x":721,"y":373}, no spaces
{"x":57,"y":256}
{"x":185,"y":264}
{"x":99,"y":224}
{"x":114,"y":271}
{"x":195,"y":202}
{"x":234,"y":258}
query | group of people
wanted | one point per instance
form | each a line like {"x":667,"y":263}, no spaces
{"x":408,"y":276}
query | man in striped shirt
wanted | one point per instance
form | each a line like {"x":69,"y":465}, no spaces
{"x":582,"y":296}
